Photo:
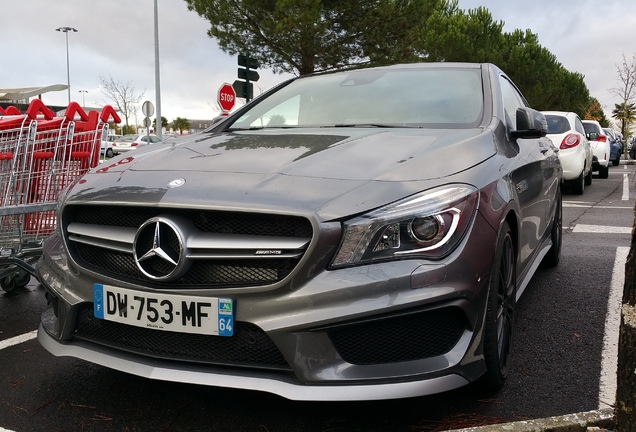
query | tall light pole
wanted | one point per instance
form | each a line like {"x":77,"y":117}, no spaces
{"x":83,"y":92}
{"x":68,"y":72}
{"x":157,"y":78}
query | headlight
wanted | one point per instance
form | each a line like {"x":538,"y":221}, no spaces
{"x":427,"y":225}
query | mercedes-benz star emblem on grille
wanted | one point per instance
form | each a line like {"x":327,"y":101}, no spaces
{"x":159,"y":249}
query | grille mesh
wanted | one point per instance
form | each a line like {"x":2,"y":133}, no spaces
{"x":404,"y":338}
{"x":202,"y":274}
{"x":249,"y":346}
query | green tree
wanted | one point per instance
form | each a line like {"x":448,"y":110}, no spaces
{"x":306,"y":36}
{"x":626,"y":114}
{"x":452,"y":34}
{"x":180,"y":124}
{"x":164,"y":122}
{"x":594,"y":111}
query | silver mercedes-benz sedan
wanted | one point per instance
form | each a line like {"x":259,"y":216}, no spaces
{"x":355,"y":235}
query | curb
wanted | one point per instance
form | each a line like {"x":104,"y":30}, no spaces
{"x":598,"y":420}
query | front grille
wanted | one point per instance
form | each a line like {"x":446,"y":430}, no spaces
{"x":202,"y":274}
{"x":217,"y":272}
{"x":249,"y":346}
{"x":401,"y":338}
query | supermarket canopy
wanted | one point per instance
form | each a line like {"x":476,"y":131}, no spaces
{"x":24,"y":94}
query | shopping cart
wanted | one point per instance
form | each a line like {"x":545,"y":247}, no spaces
{"x":40,"y":155}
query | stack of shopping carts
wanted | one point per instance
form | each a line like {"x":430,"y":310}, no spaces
{"x":40,"y":155}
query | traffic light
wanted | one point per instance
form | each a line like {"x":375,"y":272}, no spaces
{"x":245,"y":89}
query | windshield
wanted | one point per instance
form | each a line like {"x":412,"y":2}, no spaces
{"x":386,"y":97}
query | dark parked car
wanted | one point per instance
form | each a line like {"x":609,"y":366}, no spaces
{"x":616,"y":146}
{"x":355,"y":235}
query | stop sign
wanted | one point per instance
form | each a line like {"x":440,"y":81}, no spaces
{"x":226,"y":97}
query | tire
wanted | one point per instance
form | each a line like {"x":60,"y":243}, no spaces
{"x":552,"y":258}
{"x":14,"y":281}
{"x":578,"y":185}
{"x":110,"y":153}
{"x":588,"y":178}
{"x":499,"y":322}
{"x":616,"y":161}
{"x":603,"y":172}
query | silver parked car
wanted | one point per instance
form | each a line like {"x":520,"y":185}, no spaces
{"x":355,"y":235}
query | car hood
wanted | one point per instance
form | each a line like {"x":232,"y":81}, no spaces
{"x":329,"y":172}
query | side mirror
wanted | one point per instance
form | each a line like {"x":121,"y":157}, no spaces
{"x":530,"y":124}
{"x":592,"y":135}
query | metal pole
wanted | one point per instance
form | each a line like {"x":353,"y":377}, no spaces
{"x":68,"y":68}
{"x":157,"y":80}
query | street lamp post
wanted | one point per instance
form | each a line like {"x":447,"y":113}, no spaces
{"x":68,"y":73}
{"x":83,"y":92}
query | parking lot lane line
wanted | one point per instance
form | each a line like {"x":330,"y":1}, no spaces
{"x":18,"y":339}
{"x":601,"y":229}
{"x":609,"y":361}
{"x":567,"y":204}
{"x":625,"y":188}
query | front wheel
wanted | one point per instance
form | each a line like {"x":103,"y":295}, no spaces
{"x":110,"y":153}
{"x":500,"y":309}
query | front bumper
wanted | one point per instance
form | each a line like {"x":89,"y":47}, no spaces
{"x":245,"y":379}
{"x":370,"y":305}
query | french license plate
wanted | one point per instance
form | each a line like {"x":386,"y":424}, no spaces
{"x":183,"y":314}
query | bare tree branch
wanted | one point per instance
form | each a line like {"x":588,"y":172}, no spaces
{"x":626,"y":89}
{"x":123,"y":96}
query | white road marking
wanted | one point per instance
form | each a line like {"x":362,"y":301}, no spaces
{"x":609,"y":360}
{"x":625,"y":188}
{"x":18,"y":339}
{"x":600,"y":229}
{"x":569,"y":204}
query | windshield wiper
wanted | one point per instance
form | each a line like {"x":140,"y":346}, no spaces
{"x":363,"y":125}
{"x":251,"y":128}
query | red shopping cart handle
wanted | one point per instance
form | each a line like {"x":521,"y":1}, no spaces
{"x":36,"y":106}
{"x":10,"y":110}
{"x":107,"y":112}
{"x":75,"y":109}
{"x":90,"y":124}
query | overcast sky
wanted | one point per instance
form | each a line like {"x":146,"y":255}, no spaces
{"x":115,"y":39}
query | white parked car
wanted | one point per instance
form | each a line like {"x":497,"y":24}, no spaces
{"x":567,"y":132}
{"x":600,"y":147}
{"x":134,"y":141}
{"x":107,"y":145}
